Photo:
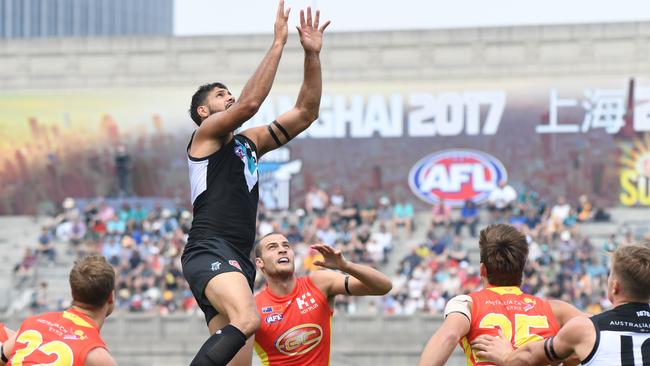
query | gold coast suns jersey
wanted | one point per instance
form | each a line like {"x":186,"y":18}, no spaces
{"x":522,"y":318}
{"x":296,"y":328}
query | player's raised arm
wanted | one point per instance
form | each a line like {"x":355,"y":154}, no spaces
{"x":360,"y":281}
{"x":255,"y":91}
{"x":290,"y":124}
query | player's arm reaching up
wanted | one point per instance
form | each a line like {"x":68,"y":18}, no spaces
{"x":290,"y":124}
{"x":360,"y":281}
{"x":255,"y":91}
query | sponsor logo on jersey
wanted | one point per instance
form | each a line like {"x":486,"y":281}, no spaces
{"x":271,"y":309}
{"x":306,"y":303}
{"x":235,"y":264}
{"x":643,"y":313}
{"x":299,"y":339}
{"x":215,"y":266}
{"x":456,"y":176}
{"x":77,"y":336}
{"x":273,"y":318}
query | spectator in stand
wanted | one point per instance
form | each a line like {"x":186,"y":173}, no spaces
{"x":384,"y":238}
{"x":316,"y":201}
{"x":45,"y":247}
{"x":384,"y":211}
{"x":585,"y":209}
{"x":501,"y":200}
{"x":403,"y":214}
{"x":469,"y":217}
{"x":559,"y":213}
{"x":440,"y":214}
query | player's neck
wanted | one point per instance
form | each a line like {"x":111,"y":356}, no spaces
{"x":625,"y":300}
{"x":97,"y":316}
{"x":282,"y":286}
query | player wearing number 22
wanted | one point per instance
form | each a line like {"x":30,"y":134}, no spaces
{"x":499,"y":307}
{"x":71,"y":337}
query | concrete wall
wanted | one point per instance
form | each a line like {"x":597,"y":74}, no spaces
{"x":477,"y":54}
{"x":145,"y":340}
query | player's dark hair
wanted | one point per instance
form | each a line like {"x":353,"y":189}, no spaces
{"x":199,"y":98}
{"x":631,"y":266}
{"x":92,"y":280}
{"x":503,"y":251}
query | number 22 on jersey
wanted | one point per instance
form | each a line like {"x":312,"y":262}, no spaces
{"x":33,"y":341}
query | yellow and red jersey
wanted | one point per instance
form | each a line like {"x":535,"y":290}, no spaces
{"x":522,"y":318}
{"x":62,"y":339}
{"x":296,"y":328}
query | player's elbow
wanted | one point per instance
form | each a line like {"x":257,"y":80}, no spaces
{"x":308,"y":115}
{"x":385,"y":286}
{"x":249,"y":108}
{"x":450,"y":339}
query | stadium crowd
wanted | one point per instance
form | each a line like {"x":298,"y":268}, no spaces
{"x":563,"y":262}
{"x":145,"y":245}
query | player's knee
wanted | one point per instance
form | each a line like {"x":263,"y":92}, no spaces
{"x":248,"y":323}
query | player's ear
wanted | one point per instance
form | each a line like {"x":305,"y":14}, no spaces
{"x":259,"y":263}
{"x":203,"y":111}
{"x":483,"y":270}
{"x":111,"y":298}
{"x":616,"y":287}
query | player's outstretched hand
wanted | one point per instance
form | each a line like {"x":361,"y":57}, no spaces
{"x":311,"y":36}
{"x":281,"y":20}
{"x":332,"y":258}
{"x":492,"y":349}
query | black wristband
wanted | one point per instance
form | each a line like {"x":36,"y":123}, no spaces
{"x":347,"y":284}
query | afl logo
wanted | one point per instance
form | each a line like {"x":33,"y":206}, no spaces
{"x":299,"y":339}
{"x":456,"y":176}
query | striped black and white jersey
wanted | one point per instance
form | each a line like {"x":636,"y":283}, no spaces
{"x":225,"y":194}
{"x":622,"y":337}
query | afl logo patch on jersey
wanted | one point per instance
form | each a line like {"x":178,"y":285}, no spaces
{"x":273,"y":318}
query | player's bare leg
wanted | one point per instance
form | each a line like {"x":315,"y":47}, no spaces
{"x":230,"y":294}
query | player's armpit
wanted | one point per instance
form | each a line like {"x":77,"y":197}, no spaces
{"x":99,"y":357}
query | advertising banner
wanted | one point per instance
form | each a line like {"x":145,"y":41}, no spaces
{"x":433,"y":141}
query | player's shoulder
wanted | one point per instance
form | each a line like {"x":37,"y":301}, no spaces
{"x":460,"y":304}
{"x":99,"y":356}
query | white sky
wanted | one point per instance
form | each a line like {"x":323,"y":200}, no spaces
{"x":195,"y":17}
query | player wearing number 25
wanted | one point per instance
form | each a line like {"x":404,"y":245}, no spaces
{"x":501,"y":307}
{"x":616,"y":337}
{"x":69,"y":338}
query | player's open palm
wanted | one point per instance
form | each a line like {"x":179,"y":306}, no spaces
{"x":281,"y":28}
{"x":332,"y":258}
{"x":311,"y":36}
